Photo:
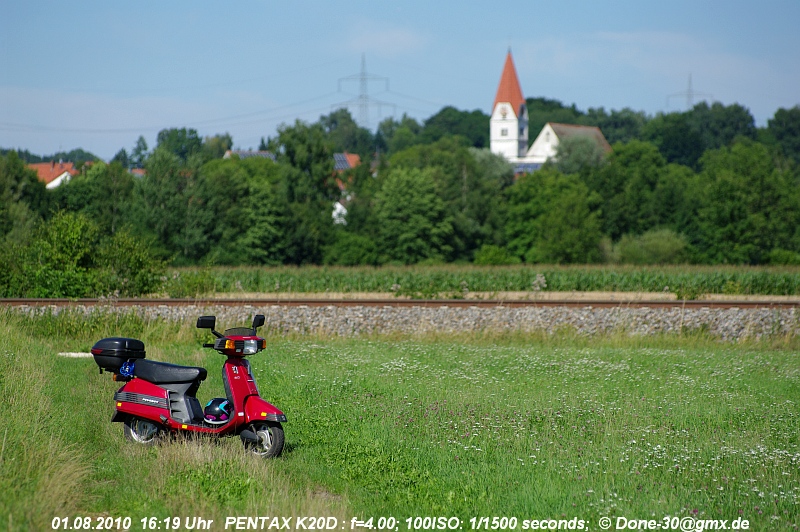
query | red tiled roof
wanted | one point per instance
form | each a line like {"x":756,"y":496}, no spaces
{"x":509,"y":89}
{"x":49,"y":171}
{"x":353,"y":158}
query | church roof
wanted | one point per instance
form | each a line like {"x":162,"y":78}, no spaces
{"x":563,"y":131}
{"x":509,"y":89}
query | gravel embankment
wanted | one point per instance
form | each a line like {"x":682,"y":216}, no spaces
{"x":725,"y":323}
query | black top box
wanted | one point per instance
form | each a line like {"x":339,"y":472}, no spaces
{"x":111,"y":353}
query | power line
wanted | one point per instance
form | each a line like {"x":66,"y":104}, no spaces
{"x":364,"y":101}
{"x":8,"y":126}
{"x":689,"y":93}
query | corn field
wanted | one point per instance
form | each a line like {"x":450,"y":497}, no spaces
{"x":454,"y":281}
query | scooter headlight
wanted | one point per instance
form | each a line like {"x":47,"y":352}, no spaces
{"x":250,"y":347}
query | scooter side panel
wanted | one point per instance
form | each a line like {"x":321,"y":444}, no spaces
{"x":257,"y":409}
{"x":142,"y":399}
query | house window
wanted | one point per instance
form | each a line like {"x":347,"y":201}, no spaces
{"x":504,"y":132}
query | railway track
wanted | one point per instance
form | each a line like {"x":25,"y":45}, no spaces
{"x":463,"y":303}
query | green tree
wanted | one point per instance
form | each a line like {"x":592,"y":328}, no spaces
{"x":626,"y":185}
{"x":474,"y":126}
{"x":23,"y":198}
{"x":77,"y":156}
{"x":139,"y":153}
{"x":242,"y":198}
{"x":785,"y":128}
{"x":553,"y":218}
{"x":308,"y":189}
{"x":749,"y":206}
{"x":394,"y":136}
{"x":413,"y":225}
{"x":216,"y":146}
{"x":345,"y":135}
{"x":161,"y":209}
{"x":183,"y":143}
{"x":676,"y":138}
{"x":103,"y":193}
{"x":122,"y":158}
{"x":718,"y":125}
{"x":577,"y":153}
{"x":623,"y":126}
{"x":470,"y":182}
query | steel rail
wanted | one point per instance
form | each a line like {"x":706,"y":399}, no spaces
{"x":458,"y":303}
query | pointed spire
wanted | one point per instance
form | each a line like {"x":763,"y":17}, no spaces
{"x":509,"y":89}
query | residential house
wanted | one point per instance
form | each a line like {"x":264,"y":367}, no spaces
{"x":53,"y":174}
{"x":341,"y":163}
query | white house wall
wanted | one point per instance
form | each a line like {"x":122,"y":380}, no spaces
{"x":544,"y":147}
{"x":63,"y":178}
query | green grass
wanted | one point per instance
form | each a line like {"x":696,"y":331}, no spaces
{"x":454,"y":426}
{"x":687,"y":282}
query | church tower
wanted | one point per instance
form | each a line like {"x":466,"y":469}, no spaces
{"x":508,"y":129}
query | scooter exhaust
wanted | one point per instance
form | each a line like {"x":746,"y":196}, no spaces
{"x":248,"y":436}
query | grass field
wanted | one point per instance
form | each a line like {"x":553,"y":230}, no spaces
{"x":531,"y":427}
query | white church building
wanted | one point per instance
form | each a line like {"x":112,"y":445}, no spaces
{"x":508,"y":127}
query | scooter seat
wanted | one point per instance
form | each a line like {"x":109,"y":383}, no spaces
{"x":163,"y":373}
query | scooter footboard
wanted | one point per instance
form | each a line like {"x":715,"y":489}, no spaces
{"x":257,"y":409}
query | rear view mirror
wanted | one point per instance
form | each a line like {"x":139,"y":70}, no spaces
{"x":206,"y":322}
{"x":258,"y":321}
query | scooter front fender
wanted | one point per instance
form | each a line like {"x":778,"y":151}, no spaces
{"x":257,"y":409}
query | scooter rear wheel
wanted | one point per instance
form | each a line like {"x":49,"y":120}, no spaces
{"x":142,"y":431}
{"x":270,"y":439}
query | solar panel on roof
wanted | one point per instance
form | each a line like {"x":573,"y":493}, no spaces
{"x":340,"y":162}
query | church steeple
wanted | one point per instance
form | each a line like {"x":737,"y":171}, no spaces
{"x":508,"y":127}
{"x":509,"y":90}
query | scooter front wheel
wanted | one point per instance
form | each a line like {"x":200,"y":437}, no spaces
{"x":270,"y":439}
{"x":141,"y":431}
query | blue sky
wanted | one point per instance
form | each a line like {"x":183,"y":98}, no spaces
{"x":97,"y":74}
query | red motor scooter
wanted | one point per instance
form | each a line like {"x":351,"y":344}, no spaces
{"x":159,"y":398}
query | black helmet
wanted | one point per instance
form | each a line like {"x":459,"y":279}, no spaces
{"x":217,"y":411}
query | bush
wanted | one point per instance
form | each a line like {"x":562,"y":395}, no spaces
{"x":657,"y":246}
{"x":351,"y":250}
{"x":68,"y":258}
{"x":491,"y":255}
{"x":783,"y":257}
{"x":128,"y":266}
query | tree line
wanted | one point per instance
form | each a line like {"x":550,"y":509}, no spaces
{"x":702,"y":186}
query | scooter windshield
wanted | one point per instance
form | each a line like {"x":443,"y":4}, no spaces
{"x":240,"y":331}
